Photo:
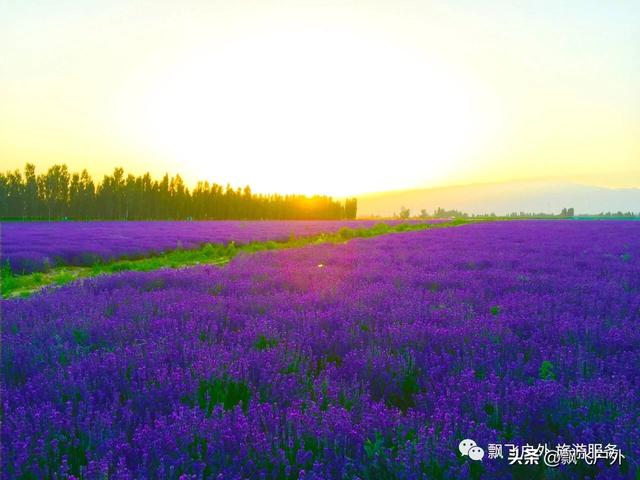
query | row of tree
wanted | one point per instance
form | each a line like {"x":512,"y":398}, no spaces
{"x":440,"y":212}
{"x":61,"y":194}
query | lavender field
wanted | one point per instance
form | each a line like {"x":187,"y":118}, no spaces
{"x":34,"y":246}
{"x":370,"y":359}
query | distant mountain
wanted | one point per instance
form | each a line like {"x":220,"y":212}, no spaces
{"x":504,"y":198}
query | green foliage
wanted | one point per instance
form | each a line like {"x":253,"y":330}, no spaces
{"x":74,"y":446}
{"x":380,"y":228}
{"x":63,"y":278}
{"x":110,"y":310}
{"x":347,"y":233}
{"x":198,"y":451}
{"x":405,"y":213}
{"x":381,"y":452}
{"x":292,"y":368}
{"x":264,"y":343}
{"x":403,"y":399}
{"x":346,"y":401}
{"x":547,"y":371}
{"x":220,"y":391}
{"x":374,"y":448}
{"x":5,"y":269}
{"x":81,"y":337}
{"x":494,"y":419}
{"x":63,"y":359}
{"x":204,"y":337}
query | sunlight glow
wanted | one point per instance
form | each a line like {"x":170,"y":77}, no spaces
{"x":312,"y":111}
{"x":338,"y":97}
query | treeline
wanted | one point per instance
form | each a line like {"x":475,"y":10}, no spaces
{"x":618,"y":214}
{"x":440,"y":212}
{"x":60,"y":194}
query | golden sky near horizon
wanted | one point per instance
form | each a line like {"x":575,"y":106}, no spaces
{"x":325,"y":97}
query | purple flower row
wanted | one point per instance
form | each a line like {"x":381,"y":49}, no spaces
{"x":35,"y":246}
{"x":370,"y":359}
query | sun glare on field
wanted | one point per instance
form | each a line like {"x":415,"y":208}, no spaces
{"x":311,"y":111}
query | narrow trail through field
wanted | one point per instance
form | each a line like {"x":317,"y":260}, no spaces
{"x":16,"y":285}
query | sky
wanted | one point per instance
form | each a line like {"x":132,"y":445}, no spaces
{"x":341,"y":98}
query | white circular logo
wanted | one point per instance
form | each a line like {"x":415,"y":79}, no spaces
{"x":465,"y":445}
{"x":470,"y":448}
{"x":476,"y":453}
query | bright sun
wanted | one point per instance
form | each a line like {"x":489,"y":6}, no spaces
{"x":311,"y":111}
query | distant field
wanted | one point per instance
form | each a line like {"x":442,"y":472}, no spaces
{"x":370,"y":359}
{"x":36,"y":246}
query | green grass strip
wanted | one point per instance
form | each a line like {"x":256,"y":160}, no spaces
{"x":23,"y":285}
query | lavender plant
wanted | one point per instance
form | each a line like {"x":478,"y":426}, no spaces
{"x":370,"y":359}
{"x":36,"y":246}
